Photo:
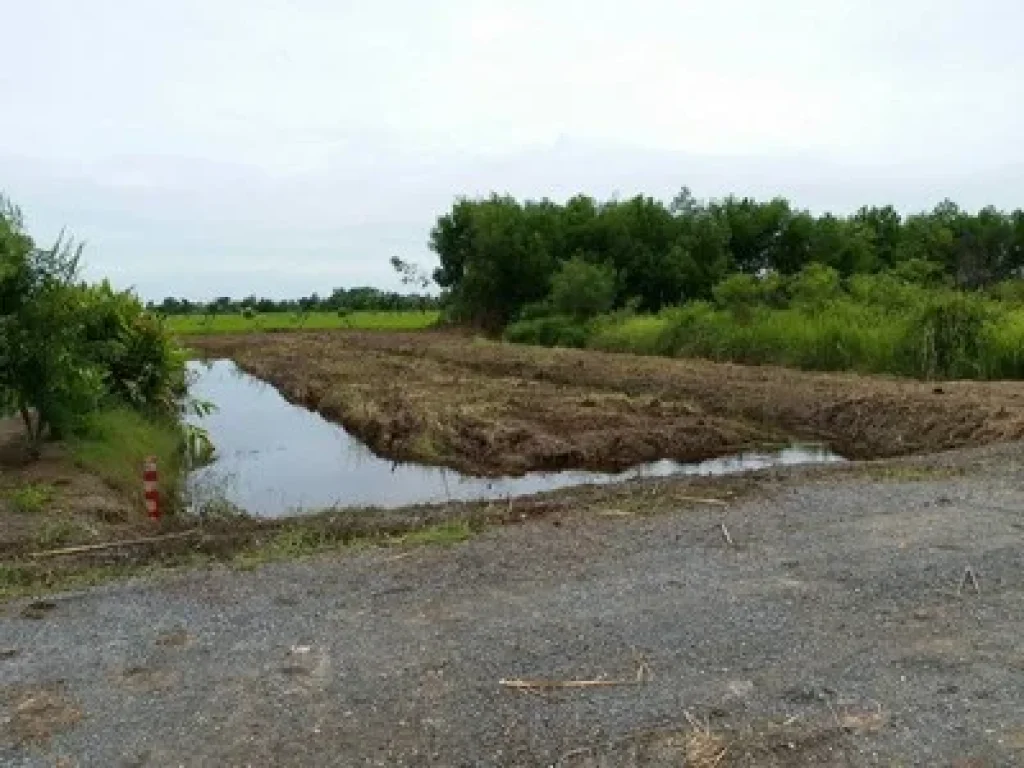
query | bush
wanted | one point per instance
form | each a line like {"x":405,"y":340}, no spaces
{"x":739,"y":294}
{"x":551,"y":331}
{"x":814,"y":287}
{"x":66,"y":347}
{"x":947,"y":338}
{"x":141,"y":365}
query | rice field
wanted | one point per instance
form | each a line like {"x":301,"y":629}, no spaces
{"x":404,"y":320}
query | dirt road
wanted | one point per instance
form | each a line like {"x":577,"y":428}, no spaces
{"x":830,"y":633}
{"x":491,"y":408}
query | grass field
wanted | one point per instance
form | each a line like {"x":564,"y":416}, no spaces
{"x":410,"y":320}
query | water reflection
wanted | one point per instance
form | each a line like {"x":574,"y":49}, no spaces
{"x":274,"y":458}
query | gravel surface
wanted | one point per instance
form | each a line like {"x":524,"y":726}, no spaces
{"x":831,"y":633}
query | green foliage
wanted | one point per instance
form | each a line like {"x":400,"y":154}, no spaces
{"x":740,"y":294}
{"x":31,"y":498}
{"x":499,"y":255}
{"x":876,"y":324}
{"x":947,"y":338}
{"x":442,"y":534}
{"x":141,"y":364}
{"x":581,"y":289}
{"x":66,"y":347}
{"x":814,"y":287}
{"x":549,"y":331}
{"x":114,"y":443}
{"x":361,"y":299}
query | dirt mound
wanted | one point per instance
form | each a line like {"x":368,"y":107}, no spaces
{"x":499,"y":409}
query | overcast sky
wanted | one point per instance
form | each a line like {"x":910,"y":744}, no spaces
{"x":204,"y":147}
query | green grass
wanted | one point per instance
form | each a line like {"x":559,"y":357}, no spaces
{"x":444,"y":534}
{"x":406,"y":320}
{"x":937,"y":335}
{"x":31,"y":498}
{"x":115,"y":443}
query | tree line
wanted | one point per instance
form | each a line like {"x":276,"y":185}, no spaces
{"x":339,"y":300}
{"x":502,"y":259}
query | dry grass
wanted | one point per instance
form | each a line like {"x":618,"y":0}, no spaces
{"x":703,"y":749}
{"x":39,"y":713}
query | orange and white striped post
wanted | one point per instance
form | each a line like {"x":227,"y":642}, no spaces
{"x":150,"y":488}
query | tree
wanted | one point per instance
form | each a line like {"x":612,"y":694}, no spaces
{"x":581,"y":289}
{"x":410,"y":273}
{"x":66,"y":347}
{"x":44,"y":374}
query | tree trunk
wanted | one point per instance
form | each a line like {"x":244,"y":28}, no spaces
{"x":34,"y":431}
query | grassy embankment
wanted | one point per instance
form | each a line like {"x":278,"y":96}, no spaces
{"x":115,"y":443}
{"x":410,"y":320}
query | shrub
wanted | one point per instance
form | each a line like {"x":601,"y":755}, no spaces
{"x":947,"y":338}
{"x":66,"y":347}
{"x":814,"y":287}
{"x":551,"y":331}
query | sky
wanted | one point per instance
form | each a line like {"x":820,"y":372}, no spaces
{"x":211,"y":147}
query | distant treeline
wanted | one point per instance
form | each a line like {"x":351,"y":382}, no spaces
{"x":340,"y":299}
{"x":500,"y":256}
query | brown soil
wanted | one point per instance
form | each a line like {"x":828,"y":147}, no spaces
{"x":499,"y":409}
{"x":69,"y":505}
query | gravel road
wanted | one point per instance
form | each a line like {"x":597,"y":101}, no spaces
{"x":831,"y":633}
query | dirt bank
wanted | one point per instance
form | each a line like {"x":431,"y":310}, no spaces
{"x":496,"y":409}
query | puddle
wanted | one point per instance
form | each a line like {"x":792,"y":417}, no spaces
{"x":274,"y":458}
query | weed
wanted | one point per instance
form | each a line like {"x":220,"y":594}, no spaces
{"x":31,"y":498}
{"x":443,"y":534}
{"x":59,"y":531}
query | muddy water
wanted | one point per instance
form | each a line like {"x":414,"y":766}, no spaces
{"x":274,"y":458}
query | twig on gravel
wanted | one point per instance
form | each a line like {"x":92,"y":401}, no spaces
{"x":726,"y":535}
{"x":113,"y":544}
{"x":969,"y":576}
{"x":534,"y":685}
{"x":703,"y":500}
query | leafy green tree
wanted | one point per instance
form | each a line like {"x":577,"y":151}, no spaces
{"x":582,"y":289}
{"x":884,"y":227}
{"x":44,"y":375}
{"x":66,"y":347}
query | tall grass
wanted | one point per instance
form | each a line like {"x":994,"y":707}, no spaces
{"x":114,"y":444}
{"x":879,"y":327}
{"x":404,"y":320}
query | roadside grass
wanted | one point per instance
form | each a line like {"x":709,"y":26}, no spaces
{"x":296,"y":540}
{"x":444,"y":534}
{"x":404,"y":320}
{"x":115,"y":443}
{"x":58,"y":531}
{"x":303,"y":539}
{"x":31,"y":498}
